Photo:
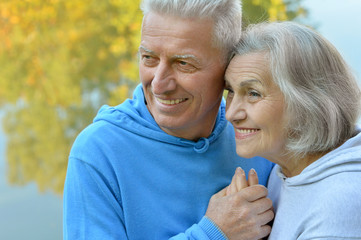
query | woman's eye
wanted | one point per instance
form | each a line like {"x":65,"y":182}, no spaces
{"x":254,"y":95}
{"x":228,"y":93}
{"x":228,"y":90}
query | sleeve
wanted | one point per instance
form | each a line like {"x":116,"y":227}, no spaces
{"x":206,"y":229}
{"x":91,"y":209}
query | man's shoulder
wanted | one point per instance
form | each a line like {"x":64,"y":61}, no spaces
{"x":94,"y":131}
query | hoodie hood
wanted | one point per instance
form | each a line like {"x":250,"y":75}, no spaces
{"x":346,"y":158}
{"x":133,"y":115}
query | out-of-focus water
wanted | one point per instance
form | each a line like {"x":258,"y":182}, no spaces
{"x":24,"y":212}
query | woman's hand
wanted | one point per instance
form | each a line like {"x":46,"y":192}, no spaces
{"x":239,"y":181}
{"x":242,"y":210}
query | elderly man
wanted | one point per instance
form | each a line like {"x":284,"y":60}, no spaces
{"x":147,"y":168}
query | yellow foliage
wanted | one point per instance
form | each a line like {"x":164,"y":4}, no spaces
{"x":102,"y":54}
{"x":277,"y":11}
{"x":53,"y":55}
{"x":59,"y":62}
{"x":276,"y":2}
{"x":34,"y":140}
{"x":118,"y":95}
{"x":270,"y":10}
{"x":256,"y":2}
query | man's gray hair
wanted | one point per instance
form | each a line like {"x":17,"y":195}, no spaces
{"x":321,"y":93}
{"x":226,"y":15}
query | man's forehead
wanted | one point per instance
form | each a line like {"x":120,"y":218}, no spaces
{"x":174,"y":37}
{"x":177,"y":56}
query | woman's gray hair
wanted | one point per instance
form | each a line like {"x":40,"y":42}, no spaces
{"x":226,"y":14}
{"x":321,"y":93}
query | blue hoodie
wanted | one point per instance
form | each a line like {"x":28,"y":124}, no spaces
{"x":128,"y":179}
{"x":324,"y":200}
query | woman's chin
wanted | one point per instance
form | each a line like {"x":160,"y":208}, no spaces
{"x":245,"y":154}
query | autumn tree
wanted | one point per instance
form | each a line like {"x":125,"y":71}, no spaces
{"x":60,"y":61}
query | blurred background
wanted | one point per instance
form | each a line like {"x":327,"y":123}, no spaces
{"x":60,"y":60}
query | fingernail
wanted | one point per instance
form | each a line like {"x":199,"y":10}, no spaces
{"x":252,"y":172}
{"x":239,"y":170}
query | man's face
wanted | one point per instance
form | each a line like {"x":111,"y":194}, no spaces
{"x":182,"y":74}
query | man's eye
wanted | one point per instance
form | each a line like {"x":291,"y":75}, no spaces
{"x":148,"y":60}
{"x":186,"y":66}
{"x":146,"y":57}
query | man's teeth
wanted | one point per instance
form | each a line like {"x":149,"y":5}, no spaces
{"x":171,"y":102}
{"x":245,"y":131}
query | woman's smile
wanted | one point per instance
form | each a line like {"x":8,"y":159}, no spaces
{"x":243,"y":133}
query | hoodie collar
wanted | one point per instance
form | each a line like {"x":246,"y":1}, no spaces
{"x":346,"y":158}
{"x":134,"y":116}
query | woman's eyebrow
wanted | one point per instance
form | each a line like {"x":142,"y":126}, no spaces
{"x":244,"y":83}
{"x":250,"y":82}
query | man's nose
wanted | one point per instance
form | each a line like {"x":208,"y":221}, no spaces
{"x":164,"y":79}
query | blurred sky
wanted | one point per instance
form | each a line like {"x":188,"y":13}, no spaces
{"x":340,"y":23}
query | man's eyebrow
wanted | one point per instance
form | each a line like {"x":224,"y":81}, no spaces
{"x":145,"y":49}
{"x":186,"y":56}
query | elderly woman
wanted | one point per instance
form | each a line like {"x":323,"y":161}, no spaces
{"x":293,"y":100}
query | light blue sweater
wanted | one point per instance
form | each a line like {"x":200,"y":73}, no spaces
{"x":127,"y":179}
{"x":324,"y":201}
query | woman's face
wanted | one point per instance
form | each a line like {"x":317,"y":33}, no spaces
{"x":255,"y":107}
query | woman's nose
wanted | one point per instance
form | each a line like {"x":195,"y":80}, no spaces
{"x":235,"y":111}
